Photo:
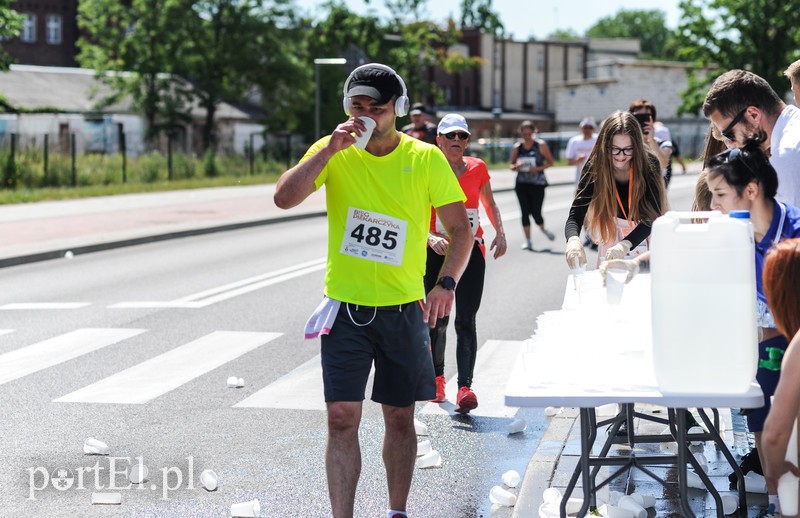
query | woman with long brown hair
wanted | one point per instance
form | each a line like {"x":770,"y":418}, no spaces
{"x":620,"y":194}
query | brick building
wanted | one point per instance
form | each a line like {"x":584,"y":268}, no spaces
{"x":49,"y":33}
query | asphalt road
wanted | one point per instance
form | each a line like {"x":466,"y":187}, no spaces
{"x":134,"y":346}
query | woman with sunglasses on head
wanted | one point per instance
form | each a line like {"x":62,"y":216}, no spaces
{"x":529,"y":158}
{"x":473,"y":176}
{"x":743,"y":179}
{"x":620,"y":194}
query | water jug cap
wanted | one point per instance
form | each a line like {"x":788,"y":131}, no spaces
{"x":739,"y":214}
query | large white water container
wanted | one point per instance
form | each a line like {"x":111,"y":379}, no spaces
{"x":703,"y":303}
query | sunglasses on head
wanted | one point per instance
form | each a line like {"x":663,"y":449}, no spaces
{"x":727,"y":133}
{"x":456,"y":134}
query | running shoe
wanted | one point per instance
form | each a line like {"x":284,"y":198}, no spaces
{"x":550,"y":235}
{"x":466,"y":400}
{"x":440,"y":383}
{"x":527,"y":246}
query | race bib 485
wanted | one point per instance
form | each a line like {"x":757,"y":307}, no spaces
{"x":374,"y":236}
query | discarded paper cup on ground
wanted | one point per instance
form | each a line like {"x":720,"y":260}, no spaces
{"x":420,"y":428}
{"x":702,"y":460}
{"x":696,"y":429}
{"x":612,"y":511}
{"x":106,"y":498}
{"x":501,"y":496}
{"x":629,"y":503}
{"x":730,"y":503}
{"x":516,"y":426}
{"x":361,"y":141}
{"x":423,"y":447}
{"x":511,"y":478}
{"x":755,"y":483}
{"x":694,"y":480}
{"x":246,"y":509}
{"x":644,"y":500}
{"x":138,"y":473}
{"x":432,"y":459}
{"x":607,"y":410}
{"x":92,"y":446}
{"x":234,"y":382}
{"x":615,"y":283}
{"x":551,"y":494}
{"x":551,"y":411}
{"x":209,"y":480}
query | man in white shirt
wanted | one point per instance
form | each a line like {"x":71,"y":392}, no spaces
{"x":740,"y":104}
{"x":580,"y":146}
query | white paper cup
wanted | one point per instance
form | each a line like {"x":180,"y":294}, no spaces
{"x":552,"y":411}
{"x":516,"y":426}
{"x":702,"y":460}
{"x":361,"y":141}
{"x":696,"y":429}
{"x":423,"y":447}
{"x":209,"y":480}
{"x":755,"y":483}
{"x":626,"y":502}
{"x":503,"y":497}
{"x":612,"y":511}
{"x":694,"y":480}
{"x":615,"y":283}
{"x":420,"y":428}
{"x":644,"y":500}
{"x":730,"y":503}
{"x":246,"y":509}
{"x":432,"y":459}
{"x":106,"y":498}
{"x":92,"y":446}
{"x":551,"y":495}
{"x":511,"y":478}
{"x":234,"y":382}
{"x":138,"y":473}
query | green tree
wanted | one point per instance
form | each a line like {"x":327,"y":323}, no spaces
{"x":564,"y":34}
{"x":757,"y":35}
{"x":134,"y":47}
{"x":480,"y":15}
{"x":649,"y":26}
{"x":232,"y":47}
{"x":10,"y":25}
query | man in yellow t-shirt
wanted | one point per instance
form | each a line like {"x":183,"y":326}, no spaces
{"x":379,"y":189}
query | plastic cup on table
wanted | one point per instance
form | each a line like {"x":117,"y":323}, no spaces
{"x":615,"y":284}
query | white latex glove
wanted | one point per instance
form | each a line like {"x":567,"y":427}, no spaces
{"x":632,"y":266}
{"x":618,"y":251}
{"x":576,"y":257}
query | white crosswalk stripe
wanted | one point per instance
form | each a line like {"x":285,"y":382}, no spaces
{"x":302,"y":389}
{"x":492,"y":368}
{"x":5,"y":331}
{"x":59,"y":349}
{"x":211,"y":296}
{"x":161,"y":374}
{"x":15,"y":306}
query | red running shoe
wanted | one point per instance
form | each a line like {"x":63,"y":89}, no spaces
{"x":466,"y":400}
{"x":440,"y":383}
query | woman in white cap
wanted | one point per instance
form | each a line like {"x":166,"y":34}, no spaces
{"x":473,"y":176}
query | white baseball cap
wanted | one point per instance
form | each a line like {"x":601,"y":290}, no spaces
{"x":588,"y":122}
{"x":452,"y":122}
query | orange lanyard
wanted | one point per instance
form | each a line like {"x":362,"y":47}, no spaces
{"x":630,"y":190}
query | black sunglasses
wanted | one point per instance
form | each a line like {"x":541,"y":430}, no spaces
{"x":456,"y":134}
{"x":727,"y":133}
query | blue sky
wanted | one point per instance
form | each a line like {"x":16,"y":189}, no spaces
{"x":536,"y":18}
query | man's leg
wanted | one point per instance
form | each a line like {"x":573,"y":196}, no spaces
{"x":399,"y":453}
{"x":343,"y":455}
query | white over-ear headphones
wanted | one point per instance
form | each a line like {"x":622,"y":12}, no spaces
{"x":400,"y":105}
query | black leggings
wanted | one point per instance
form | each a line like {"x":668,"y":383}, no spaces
{"x":531,"y":199}
{"x":469,"y":293}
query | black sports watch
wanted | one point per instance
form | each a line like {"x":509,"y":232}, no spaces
{"x":447,"y":283}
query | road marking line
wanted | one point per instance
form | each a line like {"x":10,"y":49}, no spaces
{"x":494,"y":363}
{"x":161,"y":374}
{"x":59,"y":349}
{"x":6,"y":331}
{"x":211,"y":296}
{"x":44,"y":305}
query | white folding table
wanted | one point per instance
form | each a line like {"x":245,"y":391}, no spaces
{"x":556,"y":367}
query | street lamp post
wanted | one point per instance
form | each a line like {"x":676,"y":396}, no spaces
{"x":317,"y":63}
